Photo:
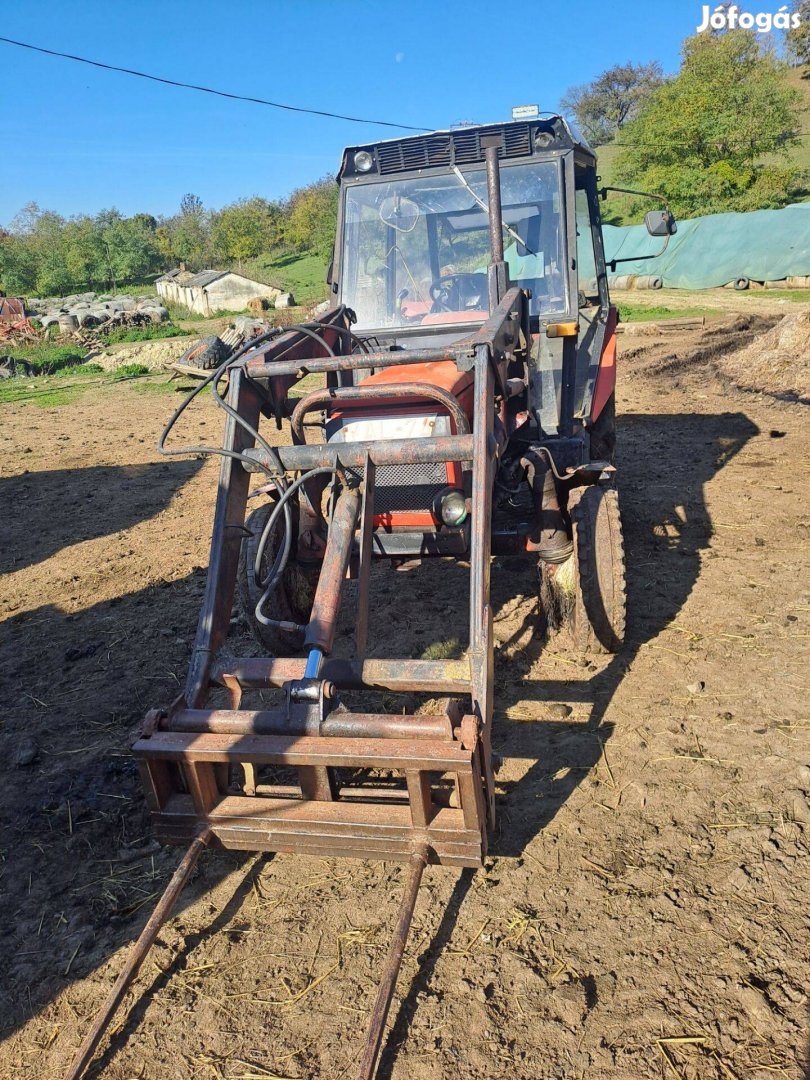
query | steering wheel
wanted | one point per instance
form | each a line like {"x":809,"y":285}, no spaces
{"x":459,"y":292}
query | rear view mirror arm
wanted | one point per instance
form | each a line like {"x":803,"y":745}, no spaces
{"x":603,"y":194}
{"x":612,"y":263}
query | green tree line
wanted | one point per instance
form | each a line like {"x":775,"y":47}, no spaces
{"x":44,"y":253}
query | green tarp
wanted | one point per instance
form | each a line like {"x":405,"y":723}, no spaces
{"x":764,"y":245}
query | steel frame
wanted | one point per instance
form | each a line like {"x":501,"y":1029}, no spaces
{"x":180,"y":758}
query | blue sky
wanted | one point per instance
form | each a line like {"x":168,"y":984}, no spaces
{"x":76,"y":139}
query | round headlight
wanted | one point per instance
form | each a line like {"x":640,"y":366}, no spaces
{"x":452,"y":506}
{"x":543,"y":139}
{"x":363,"y":161}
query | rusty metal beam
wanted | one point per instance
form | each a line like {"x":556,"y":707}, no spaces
{"x":430,"y":676}
{"x":496,"y":332}
{"x":264,"y":369}
{"x":366,"y":556}
{"x":320,"y":633}
{"x":353,"y":455}
{"x":481,"y":642}
{"x":337,"y":725}
{"x":356,"y":828}
{"x":393,"y":962}
{"x":350,"y":753}
{"x":229,"y":516}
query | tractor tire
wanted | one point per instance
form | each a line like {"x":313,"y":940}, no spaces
{"x":208,"y":353}
{"x":290,"y":602}
{"x":596,"y":617}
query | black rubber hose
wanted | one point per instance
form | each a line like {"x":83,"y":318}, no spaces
{"x":187,"y":400}
{"x":340,"y":330}
{"x":280,"y":562}
{"x":285,"y":492}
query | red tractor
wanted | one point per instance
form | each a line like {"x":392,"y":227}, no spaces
{"x":464,"y":409}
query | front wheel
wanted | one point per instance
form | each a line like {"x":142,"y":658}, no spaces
{"x":586,"y":593}
{"x":290,"y":602}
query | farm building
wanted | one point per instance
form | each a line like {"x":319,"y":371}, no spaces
{"x":212,"y":290}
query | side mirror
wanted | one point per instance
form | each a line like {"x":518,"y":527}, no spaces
{"x":660,"y":223}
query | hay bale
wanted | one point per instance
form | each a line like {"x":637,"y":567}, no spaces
{"x":258,"y":304}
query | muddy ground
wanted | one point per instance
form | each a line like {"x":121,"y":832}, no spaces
{"x":644,"y":909}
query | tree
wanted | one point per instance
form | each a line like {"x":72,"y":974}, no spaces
{"x":45,"y":234}
{"x":131,"y":246}
{"x":701,"y":137}
{"x":84,"y":252}
{"x":245,"y":229}
{"x":311,"y":218}
{"x":185,"y":237}
{"x":18,"y":269}
{"x":191,"y":205}
{"x":603,"y":106}
{"x":797,"y":38}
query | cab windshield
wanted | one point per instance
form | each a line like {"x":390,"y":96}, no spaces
{"x":416,"y":250}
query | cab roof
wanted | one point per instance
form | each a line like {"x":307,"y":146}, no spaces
{"x":462,"y":146}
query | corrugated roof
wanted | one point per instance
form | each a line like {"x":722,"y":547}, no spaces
{"x":205,"y":277}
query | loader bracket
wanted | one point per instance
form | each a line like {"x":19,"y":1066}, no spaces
{"x":307,"y":702}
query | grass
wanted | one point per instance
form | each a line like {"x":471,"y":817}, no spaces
{"x":129,"y":290}
{"x":798,"y":296}
{"x":53,"y":391}
{"x":23,"y":392}
{"x":645,"y":313}
{"x":309,"y":383}
{"x":48,"y":359}
{"x":178,"y":314}
{"x":152,"y":386}
{"x":152,"y":332}
{"x":78,"y":369}
{"x":129,"y":371}
{"x":443,"y":650}
{"x":302,"y":275}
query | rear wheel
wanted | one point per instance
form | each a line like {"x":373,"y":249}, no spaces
{"x":290,"y":602}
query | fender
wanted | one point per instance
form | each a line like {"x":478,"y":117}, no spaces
{"x":606,"y":376}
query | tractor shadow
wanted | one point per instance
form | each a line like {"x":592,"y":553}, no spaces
{"x":54,"y":509}
{"x":665,"y":463}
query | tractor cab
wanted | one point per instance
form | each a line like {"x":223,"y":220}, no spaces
{"x":414,"y":242}
{"x":413,"y":258}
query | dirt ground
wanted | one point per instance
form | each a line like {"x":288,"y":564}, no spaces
{"x":644,"y":909}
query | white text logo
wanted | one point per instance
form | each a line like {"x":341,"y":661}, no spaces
{"x":728,"y":18}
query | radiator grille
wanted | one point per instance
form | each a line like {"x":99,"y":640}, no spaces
{"x":418,"y":154}
{"x":408,"y":488}
{"x":460,"y":147}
